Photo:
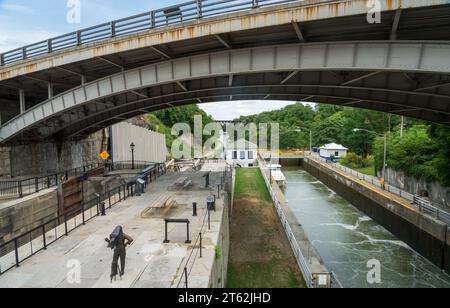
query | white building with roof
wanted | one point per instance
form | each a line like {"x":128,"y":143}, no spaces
{"x":241,"y":152}
{"x":333,"y":150}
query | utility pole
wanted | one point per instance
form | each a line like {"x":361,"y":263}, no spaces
{"x":402,"y":126}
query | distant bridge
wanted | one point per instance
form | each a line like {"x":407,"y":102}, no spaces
{"x":210,"y":50}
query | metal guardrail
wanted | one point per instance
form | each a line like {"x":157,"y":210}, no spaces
{"x":23,"y":247}
{"x":21,"y":188}
{"x":164,"y":17}
{"x":371,"y":180}
{"x":426,"y":208}
{"x":423,"y":205}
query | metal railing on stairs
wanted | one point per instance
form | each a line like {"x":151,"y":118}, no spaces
{"x":25,"y":187}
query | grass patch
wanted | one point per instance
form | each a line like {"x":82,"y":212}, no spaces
{"x":368,"y":170}
{"x":250,"y":184}
{"x":260,"y":254}
{"x":273,"y":274}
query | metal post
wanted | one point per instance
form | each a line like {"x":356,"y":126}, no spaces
{"x":82,"y":214}
{"x":20,"y":189}
{"x":218,"y":191}
{"x":65,"y":225}
{"x":209,"y":220}
{"x":152,"y":19}
{"x":194,"y":207}
{"x":43,"y":237}
{"x":199,"y":9}
{"x":188,"y":241}
{"x":78,"y":37}
{"x":166,"y":240}
{"x":186,"y":277}
{"x":16,"y":249}
{"x":113,"y":29}
{"x":36,"y":184}
{"x":103,"y":208}
{"x":201,"y":242}
{"x":385,"y":157}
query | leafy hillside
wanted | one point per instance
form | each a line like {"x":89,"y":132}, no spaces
{"x":163,"y":121}
{"x":423,"y":151}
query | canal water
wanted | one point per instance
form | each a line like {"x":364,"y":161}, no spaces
{"x":347,"y":239}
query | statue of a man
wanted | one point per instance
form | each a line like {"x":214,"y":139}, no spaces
{"x":118,"y":241}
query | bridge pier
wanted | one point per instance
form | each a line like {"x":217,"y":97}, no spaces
{"x":5,"y":162}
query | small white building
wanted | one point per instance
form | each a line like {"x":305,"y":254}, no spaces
{"x":333,"y":149}
{"x":241,"y":152}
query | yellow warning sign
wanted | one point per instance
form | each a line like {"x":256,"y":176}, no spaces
{"x":104,"y":155}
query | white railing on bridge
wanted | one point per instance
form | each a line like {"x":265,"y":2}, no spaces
{"x":172,"y":15}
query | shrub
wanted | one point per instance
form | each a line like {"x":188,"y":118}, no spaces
{"x":353,"y":161}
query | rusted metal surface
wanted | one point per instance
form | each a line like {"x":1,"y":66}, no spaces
{"x":302,"y":11}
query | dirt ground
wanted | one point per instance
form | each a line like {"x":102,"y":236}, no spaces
{"x":260,"y":254}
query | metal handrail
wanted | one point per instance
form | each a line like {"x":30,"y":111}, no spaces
{"x":184,"y":12}
{"x":198,"y":243}
{"x":23,"y":247}
{"x":28,"y":186}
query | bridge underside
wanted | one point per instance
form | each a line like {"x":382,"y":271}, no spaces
{"x":408,"y":75}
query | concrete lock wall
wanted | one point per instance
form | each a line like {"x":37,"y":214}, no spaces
{"x":424,"y":234}
{"x":447,"y":253}
{"x":150,"y":146}
{"x":5,"y":162}
{"x":45,"y":158}
{"x":219,"y":272}
{"x":23,"y":215}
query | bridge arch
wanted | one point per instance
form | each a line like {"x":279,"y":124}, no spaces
{"x":390,"y":76}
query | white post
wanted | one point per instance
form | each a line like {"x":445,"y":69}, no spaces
{"x":385,"y":157}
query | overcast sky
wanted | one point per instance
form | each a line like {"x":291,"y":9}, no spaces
{"x":23,"y":22}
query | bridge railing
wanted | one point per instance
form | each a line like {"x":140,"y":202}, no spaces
{"x":23,"y":247}
{"x":164,"y":17}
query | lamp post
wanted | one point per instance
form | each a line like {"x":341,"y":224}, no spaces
{"x":299,"y":129}
{"x":132,"y":147}
{"x":385,"y":148}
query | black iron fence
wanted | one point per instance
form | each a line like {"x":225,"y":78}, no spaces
{"x":21,"y":188}
{"x":28,"y":244}
{"x":164,"y":17}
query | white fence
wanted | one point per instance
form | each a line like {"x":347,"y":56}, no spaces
{"x":301,"y":260}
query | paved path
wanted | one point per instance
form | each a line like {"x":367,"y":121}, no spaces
{"x":150,"y":263}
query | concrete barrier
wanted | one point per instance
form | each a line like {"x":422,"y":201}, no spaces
{"x":20,"y":216}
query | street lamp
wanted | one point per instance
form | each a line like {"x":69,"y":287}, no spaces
{"x":299,"y":129}
{"x":385,"y":147}
{"x":132,"y":146}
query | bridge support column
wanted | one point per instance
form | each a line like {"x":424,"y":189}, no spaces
{"x":22,"y":100}
{"x":50,"y":90}
{"x":5,"y":162}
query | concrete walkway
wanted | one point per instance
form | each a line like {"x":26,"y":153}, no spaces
{"x":150,"y":263}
